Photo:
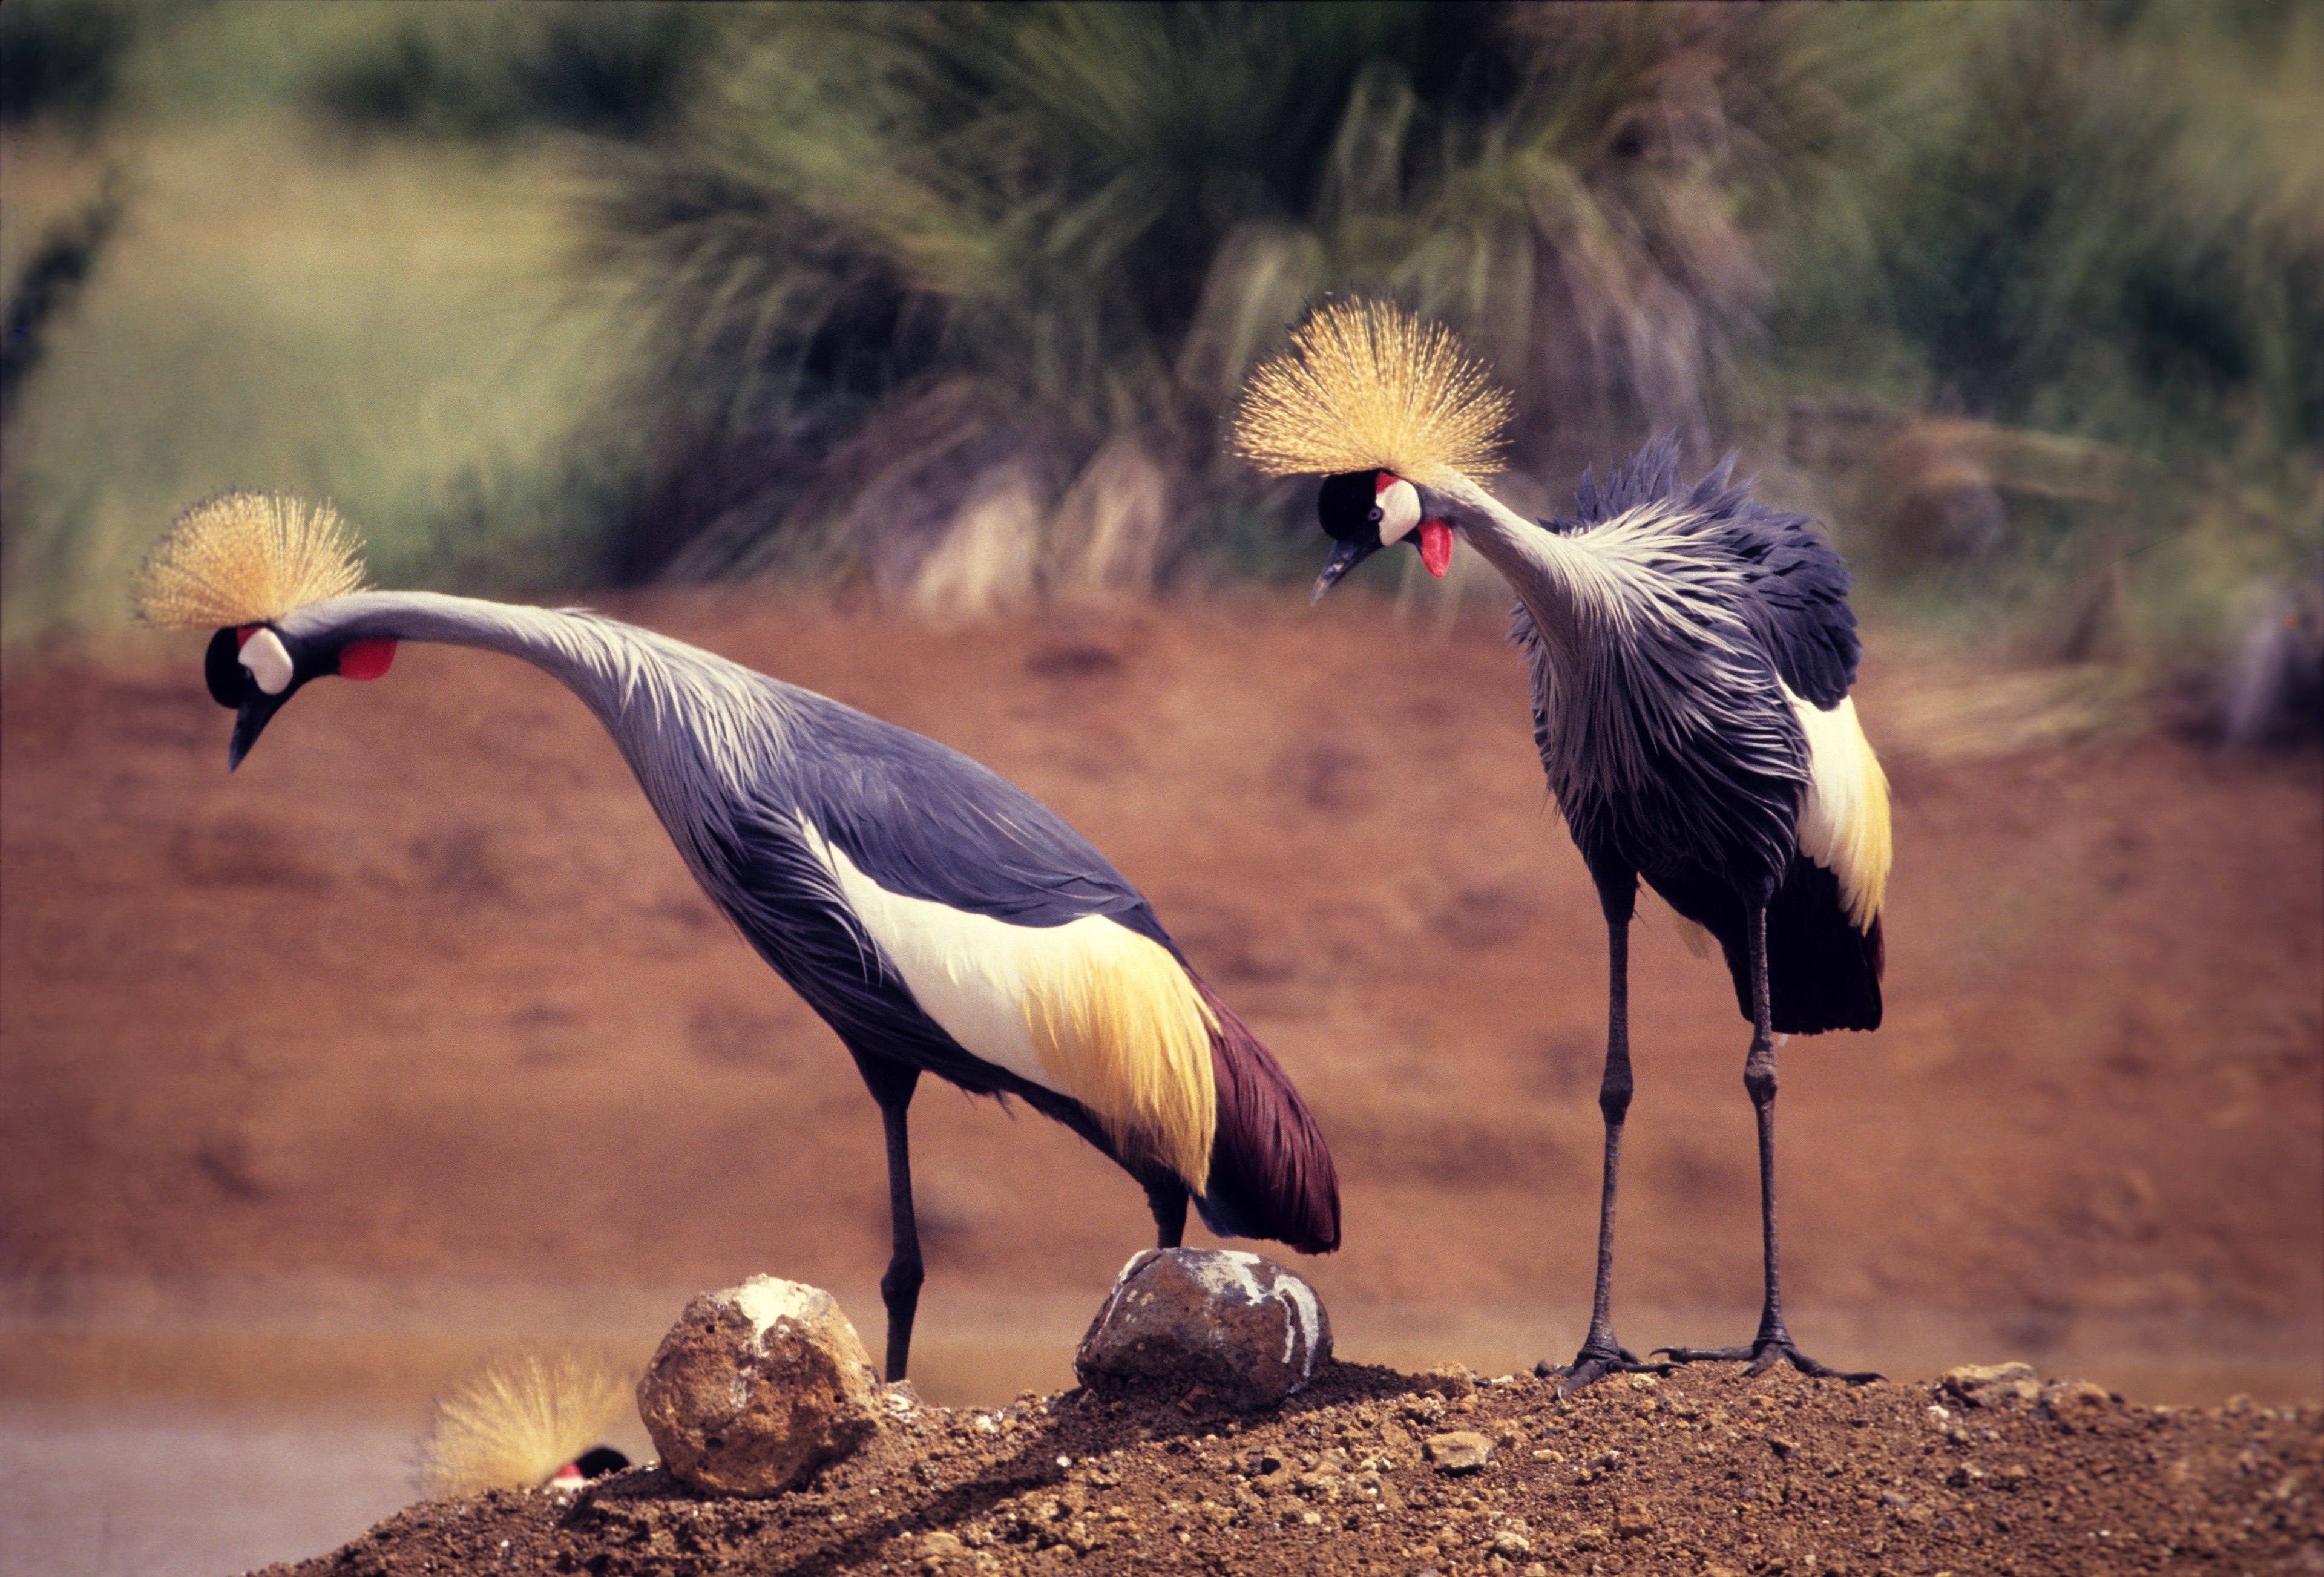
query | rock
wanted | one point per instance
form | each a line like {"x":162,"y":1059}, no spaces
{"x":757,"y":1386}
{"x":1511,"y":1545}
{"x":1464,"y":1450}
{"x":2076,"y":1404}
{"x":1452,"y":1381}
{"x":1242,"y":1327}
{"x":1636,"y":1520}
{"x":1991,"y":1385}
{"x":941,"y":1546}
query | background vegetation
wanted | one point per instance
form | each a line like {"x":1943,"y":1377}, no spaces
{"x":947,"y":301}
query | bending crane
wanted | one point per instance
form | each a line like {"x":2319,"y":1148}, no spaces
{"x":940,"y":919}
{"x":1690,"y":653}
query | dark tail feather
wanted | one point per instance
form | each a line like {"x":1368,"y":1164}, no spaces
{"x":1822,"y":972}
{"x":1271,"y":1175}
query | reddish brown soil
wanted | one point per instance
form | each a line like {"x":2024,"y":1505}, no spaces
{"x":422,"y":996}
{"x":1701,"y":1472}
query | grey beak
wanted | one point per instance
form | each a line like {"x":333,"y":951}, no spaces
{"x":1344,"y":558}
{"x":249,"y":723}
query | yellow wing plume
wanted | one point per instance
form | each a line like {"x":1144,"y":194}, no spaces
{"x":1366,"y":386}
{"x":243,"y":557}
{"x":1120,"y":1026}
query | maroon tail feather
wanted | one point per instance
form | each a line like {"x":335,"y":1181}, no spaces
{"x":1271,"y":1175}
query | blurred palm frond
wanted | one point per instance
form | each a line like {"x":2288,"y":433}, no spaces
{"x":911,"y":260}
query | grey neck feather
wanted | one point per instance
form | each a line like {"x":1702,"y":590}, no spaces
{"x":1634,"y":607}
{"x":1555,"y":581}
{"x":587,"y":653}
{"x":703,"y":734}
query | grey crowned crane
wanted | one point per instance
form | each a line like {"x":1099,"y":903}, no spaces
{"x":940,"y":919}
{"x":1690,"y":653}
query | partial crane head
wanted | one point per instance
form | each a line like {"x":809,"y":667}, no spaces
{"x":1383,"y":405}
{"x":238,"y":564}
{"x":1365,"y":511}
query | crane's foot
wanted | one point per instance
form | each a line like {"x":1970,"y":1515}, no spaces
{"x":1764,"y":1354}
{"x":1594,"y":1362}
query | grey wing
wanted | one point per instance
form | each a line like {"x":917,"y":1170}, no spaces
{"x":922,"y":819}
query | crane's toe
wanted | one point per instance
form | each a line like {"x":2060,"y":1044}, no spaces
{"x":1764,"y":1354}
{"x":1593,"y":1363}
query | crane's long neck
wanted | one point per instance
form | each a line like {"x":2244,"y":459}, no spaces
{"x":674,"y":710}
{"x":1563,"y":584}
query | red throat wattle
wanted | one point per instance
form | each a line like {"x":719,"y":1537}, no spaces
{"x":367,"y":659}
{"x":1436,"y":547}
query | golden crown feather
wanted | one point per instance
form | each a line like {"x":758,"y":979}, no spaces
{"x":1366,"y":386}
{"x":519,"y":1421}
{"x":245,"y":558}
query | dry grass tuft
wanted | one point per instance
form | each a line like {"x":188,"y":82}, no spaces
{"x":516,"y":1424}
{"x":1367,"y":386}
{"x":243,"y":557}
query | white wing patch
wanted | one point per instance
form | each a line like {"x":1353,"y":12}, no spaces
{"x":1089,"y":1008}
{"x":1844,"y":814}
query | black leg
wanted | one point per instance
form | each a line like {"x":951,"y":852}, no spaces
{"x":891,"y":1085}
{"x":1773,"y":1344}
{"x":1165,"y":1196}
{"x":899,"y":1289}
{"x":1601,"y":1353}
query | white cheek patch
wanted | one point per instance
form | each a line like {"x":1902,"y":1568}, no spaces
{"x":1399,"y":507}
{"x":268,"y":661}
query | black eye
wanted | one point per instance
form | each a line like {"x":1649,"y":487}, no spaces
{"x":1375,"y":516}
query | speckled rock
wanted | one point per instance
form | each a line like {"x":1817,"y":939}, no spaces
{"x":757,"y":1386}
{"x":1243,"y":1328}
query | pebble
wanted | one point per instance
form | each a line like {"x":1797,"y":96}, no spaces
{"x":2078,"y":1404}
{"x":1462,"y":1451}
{"x":1992,"y":1384}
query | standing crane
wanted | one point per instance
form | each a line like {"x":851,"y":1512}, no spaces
{"x":1690,"y":654}
{"x":939,"y":919}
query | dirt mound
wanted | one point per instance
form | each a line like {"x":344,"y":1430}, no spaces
{"x":1702,"y":1471}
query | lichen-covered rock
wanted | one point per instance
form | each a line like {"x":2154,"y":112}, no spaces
{"x":757,"y":1386}
{"x":1243,"y":1328}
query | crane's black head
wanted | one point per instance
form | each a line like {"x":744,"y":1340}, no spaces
{"x":1364,"y":512}
{"x":253,"y":668}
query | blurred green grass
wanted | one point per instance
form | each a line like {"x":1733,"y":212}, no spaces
{"x":390,"y":328}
